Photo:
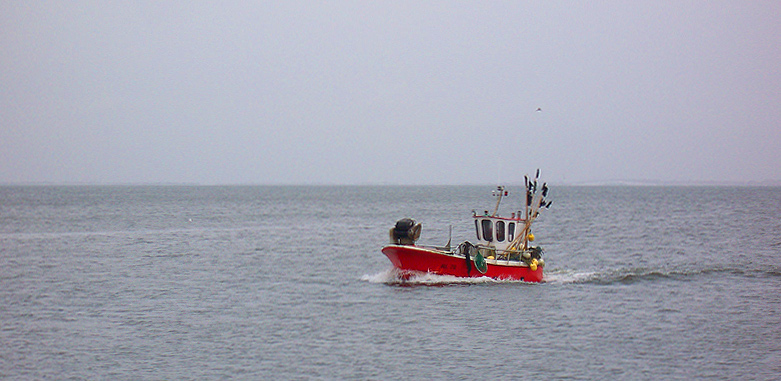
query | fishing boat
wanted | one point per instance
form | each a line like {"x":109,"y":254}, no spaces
{"x":503,"y":249}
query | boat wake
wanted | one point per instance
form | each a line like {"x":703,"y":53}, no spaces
{"x":636,"y":275}
{"x":560,"y":276}
{"x":396,"y":277}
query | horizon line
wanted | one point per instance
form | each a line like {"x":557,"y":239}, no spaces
{"x":627,"y":183}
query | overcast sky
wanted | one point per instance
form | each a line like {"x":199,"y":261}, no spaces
{"x":396,"y":92}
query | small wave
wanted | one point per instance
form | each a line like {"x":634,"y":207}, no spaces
{"x":773,"y":273}
{"x":635,"y":275}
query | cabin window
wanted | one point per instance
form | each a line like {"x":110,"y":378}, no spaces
{"x":488,"y":234}
{"x":500,"y":231}
{"x":511,"y":231}
{"x":477,"y":230}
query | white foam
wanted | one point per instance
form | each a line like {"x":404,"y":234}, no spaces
{"x":396,"y":276}
{"x":381,"y":277}
{"x":568,"y":276}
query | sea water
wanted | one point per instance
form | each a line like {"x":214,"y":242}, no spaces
{"x":283,"y":282}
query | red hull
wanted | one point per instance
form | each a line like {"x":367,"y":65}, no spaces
{"x":416,"y":258}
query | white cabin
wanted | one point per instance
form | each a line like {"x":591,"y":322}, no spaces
{"x":497,"y":232}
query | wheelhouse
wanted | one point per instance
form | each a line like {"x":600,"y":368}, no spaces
{"x":497,"y":232}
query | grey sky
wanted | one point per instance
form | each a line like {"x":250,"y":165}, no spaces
{"x":407,"y":92}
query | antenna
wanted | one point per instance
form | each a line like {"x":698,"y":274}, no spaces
{"x":499,"y":173}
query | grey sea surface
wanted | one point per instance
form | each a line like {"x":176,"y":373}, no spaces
{"x":284,"y":282}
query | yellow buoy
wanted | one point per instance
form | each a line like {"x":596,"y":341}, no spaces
{"x":533,"y":266}
{"x":531,"y":237}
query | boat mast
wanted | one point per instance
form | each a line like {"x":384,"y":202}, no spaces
{"x":534,"y":201}
{"x":498,"y":193}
